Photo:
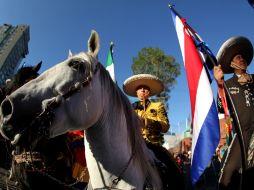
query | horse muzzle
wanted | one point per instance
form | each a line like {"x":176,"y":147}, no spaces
{"x":18,"y":124}
{"x":6,"y":111}
{"x":11,"y":124}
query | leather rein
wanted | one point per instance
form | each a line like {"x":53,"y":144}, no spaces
{"x":45,"y":118}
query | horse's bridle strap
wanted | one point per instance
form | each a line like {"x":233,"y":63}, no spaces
{"x":47,"y":115}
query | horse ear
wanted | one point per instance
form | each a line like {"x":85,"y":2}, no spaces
{"x":37,"y":67}
{"x":69,"y":54}
{"x":94,"y":43}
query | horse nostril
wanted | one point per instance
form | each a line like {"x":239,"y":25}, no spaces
{"x":6,"y":109}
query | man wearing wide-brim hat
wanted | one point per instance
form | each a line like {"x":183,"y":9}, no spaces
{"x":153,"y":114}
{"x":234,"y":56}
{"x":154,"y":117}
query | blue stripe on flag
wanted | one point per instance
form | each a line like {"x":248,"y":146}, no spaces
{"x":204,"y":148}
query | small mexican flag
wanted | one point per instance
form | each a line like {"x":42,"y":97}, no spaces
{"x":110,"y":62}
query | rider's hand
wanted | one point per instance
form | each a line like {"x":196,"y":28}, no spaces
{"x":218,"y":74}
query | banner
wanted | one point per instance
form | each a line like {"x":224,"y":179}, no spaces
{"x":206,"y":130}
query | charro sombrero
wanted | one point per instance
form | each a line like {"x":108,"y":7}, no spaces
{"x":232,"y":47}
{"x":131,"y":84}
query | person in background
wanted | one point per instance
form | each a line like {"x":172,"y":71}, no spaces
{"x":79,"y":168}
{"x":152,"y":114}
{"x":234,"y":56}
{"x":156,"y":123}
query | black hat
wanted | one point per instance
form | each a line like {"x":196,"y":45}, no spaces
{"x":232,"y":47}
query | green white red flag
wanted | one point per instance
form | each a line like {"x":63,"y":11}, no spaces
{"x":110,"y":62}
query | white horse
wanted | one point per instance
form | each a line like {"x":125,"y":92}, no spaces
{"x":78,"y":94}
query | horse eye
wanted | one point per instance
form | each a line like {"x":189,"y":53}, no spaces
{"x":73,"y":63}
{"x":77,"y":65}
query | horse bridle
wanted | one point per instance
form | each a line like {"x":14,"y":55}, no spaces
{"x":48,"y":114}
{"x":45,"y":118}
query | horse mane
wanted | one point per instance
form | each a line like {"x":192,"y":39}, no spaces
{"x":119,"y":101}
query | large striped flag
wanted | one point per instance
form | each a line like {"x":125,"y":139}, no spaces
{"x":110,"y":62}
{"x":205,"y":121}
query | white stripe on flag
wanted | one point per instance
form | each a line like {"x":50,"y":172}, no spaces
{"x":111,"y":70}
{"x":202,"y":105}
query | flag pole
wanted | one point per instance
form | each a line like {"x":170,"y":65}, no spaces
{"x":234,"y":112}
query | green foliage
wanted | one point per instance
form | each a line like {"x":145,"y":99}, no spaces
{"x":154,"y":61}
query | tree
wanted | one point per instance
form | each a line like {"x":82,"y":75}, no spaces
{"x":154,"y":61}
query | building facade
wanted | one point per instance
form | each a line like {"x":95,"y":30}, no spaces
{"x":13,"y":48}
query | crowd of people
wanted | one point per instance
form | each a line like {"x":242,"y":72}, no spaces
{"x":235,"y":103}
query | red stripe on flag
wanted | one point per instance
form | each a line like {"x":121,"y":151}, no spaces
{"x":193,"y":67}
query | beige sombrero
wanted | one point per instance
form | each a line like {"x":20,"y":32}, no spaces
{"x":232,"y":47}
{"x":131,"y":84}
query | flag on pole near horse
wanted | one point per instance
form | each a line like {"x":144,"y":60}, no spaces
{"x":110,"y":62}
{"x":205,"y":121}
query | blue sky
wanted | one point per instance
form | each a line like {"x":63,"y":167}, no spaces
{"x":59,"y":25}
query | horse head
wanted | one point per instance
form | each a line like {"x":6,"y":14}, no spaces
{"x":56,"y":86}
{"x":51,"y":159}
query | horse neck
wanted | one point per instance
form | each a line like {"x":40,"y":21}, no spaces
{"x":108,"y":148}
{"x":108,"y":153}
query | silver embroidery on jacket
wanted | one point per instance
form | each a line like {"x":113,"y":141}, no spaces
{"x":234,"y":90}
{"x":247,"y":95}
